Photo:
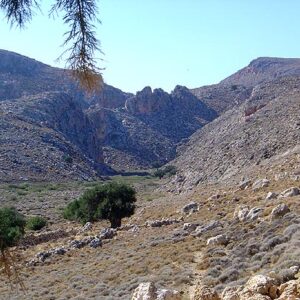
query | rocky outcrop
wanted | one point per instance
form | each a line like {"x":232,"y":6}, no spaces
{"x":203,"y":292}
{"x":258,"y":287}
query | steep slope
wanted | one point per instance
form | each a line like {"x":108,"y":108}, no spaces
{"x":265,"y":126}
{"x":221,"y":97}
{"x":47,"y":137}
{"x":147,"y":130}
{"x":124,"y":131}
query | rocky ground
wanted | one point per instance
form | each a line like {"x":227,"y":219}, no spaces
{"x":211,"y":238}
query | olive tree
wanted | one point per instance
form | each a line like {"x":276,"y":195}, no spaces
{"x":111,"y":201}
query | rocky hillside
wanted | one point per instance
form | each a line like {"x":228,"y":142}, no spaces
{"x":147,"y":130}
{"x":264,"y":127}
{"x":235,"y":89}
{"x":130,"y":132}
{"x":111,"y":127}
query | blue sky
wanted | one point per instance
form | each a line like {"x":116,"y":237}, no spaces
{"x":163,"y":43}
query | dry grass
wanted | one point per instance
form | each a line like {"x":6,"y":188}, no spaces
{"x":113,"y":271}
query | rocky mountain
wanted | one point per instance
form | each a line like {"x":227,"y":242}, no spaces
{"x":261,"y":129}
{"x":110,"y":127}
{"x":235,"y":89}
{"x":147,"y":129}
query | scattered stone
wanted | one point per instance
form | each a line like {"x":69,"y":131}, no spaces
{"x":41,"y":256}
{"x":107,"y":233}
{"x":163,"y":222}
{"x":279,"y":211}
{"x":254,"y":213}
{"x":189,"y":227}
{"x":145,"y":291}
{"x":148,"y":291}
{"x":281,"y":176}
{"x":291,"y":192}
{"x":220,"y":239}
{"x":59,"y":251}
{"x":244,"y":184}
{"x":205,"y":228}
{"x":87,"y":227}
{"x":134,"y":229}
{"x":241,"y":212}
{"x":260,"y":183}
{"x":190,"y":208}
{"x":95,"y":243}
{"x":164,"y":294}
{"x":271,"y":196}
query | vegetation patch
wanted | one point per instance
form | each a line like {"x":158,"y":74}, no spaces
{"x":112,"y":201}
{"x":36,"y":223}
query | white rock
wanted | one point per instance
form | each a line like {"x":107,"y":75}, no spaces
{"x":207,"y":227}
{"x":220,"y":239}
{"x":291,"y":192}
{"x":271,"y":196}
{"x":164,"y":294}
{"x":241,"y":212}
{"x":145,"y":291}
{"x":260,"y":183}
{"x":262,"y":285}
{"x":190,"y":208}
{"x":279,"y":211}
{"x":231,"y":293}
{"x":148,"y":291}
{"x":254,"y":213}
{"x":244,"y":184}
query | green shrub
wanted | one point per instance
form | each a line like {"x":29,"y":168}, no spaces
{"x":12,"y":226}
{"x":36,"y":223}
{"x":168,"y":170}
{"x":111,"y":201}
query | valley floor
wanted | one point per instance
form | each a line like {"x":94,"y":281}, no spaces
{"x":171,"y":255}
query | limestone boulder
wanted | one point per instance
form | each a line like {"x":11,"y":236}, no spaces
{"x":291,"y":192}
{"x":260,"y":183}
{"x":260,"y":284}
{"x":279,"y":211}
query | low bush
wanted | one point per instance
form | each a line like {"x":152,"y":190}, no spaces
{"x":36,"y":223}
{"x":12,"y":226}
